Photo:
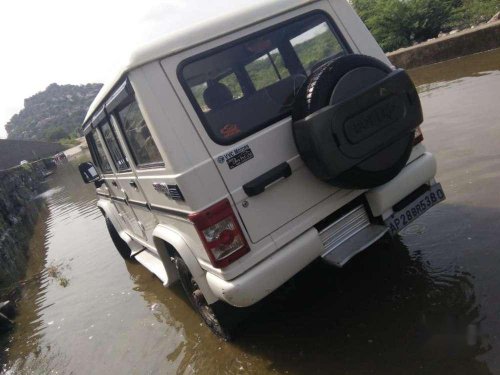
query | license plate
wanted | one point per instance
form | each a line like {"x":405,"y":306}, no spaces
{"x":401,"y":219}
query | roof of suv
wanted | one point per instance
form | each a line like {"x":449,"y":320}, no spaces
{"x":194,"y":35}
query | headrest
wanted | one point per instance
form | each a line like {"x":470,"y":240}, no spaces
{"x":217,"y":95}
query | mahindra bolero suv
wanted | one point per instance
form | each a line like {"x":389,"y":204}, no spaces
{"x":232,"y":154}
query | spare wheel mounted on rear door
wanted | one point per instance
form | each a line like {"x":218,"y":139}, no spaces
{"x":354,"y":121}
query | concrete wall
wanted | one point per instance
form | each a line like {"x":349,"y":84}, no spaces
{"x":12,"y":152}
{"x":18,"y":214}
{"x":480,"y":39}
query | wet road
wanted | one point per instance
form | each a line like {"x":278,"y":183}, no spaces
{"x":427,"y":303}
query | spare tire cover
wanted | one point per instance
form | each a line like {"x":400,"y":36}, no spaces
{"x":354,"y":121}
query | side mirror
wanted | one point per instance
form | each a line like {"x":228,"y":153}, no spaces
{"x":89,"y":173}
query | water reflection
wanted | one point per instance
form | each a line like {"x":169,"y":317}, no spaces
{"x":440,"y":75}
{"x":387,"y":310}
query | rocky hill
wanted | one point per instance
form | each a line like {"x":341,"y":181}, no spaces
{"x":53,"y":114}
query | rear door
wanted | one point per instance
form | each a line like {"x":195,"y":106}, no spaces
{"x":243,"y":94}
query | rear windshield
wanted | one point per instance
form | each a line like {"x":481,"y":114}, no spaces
{"x":245,"y":86}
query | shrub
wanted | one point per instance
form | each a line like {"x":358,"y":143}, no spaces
{"x":400,"y":23}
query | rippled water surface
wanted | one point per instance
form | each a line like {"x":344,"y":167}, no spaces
{"x":425,"y":303}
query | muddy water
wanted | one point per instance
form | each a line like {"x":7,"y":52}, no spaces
{"x":427,"y":303}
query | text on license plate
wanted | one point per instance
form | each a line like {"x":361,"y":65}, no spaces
{"x":401,"y":219}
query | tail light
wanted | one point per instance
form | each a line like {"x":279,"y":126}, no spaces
{"x":419,"y":136}
{"x":220,"y":233}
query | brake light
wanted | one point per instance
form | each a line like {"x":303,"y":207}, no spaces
{"x":419,"y":136}
{"x":220,"y":233}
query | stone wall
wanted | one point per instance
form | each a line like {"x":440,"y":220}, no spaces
{"x":480,"y":39}
{"x":12,"y":151}
{"x":18,"y":213}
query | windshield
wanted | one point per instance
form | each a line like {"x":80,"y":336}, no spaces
{"x":246,"y":86}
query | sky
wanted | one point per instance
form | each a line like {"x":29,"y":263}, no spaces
{"x":78,"y":42}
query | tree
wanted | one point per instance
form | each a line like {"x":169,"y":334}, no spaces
{"x":56,"y":134}
{"x":400,"y":23}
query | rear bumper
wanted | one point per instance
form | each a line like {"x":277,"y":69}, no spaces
{"x":270,"y":274}
{"x":274,"y":271}
{"x":419,"y":172}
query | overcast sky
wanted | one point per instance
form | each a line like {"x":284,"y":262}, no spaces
{"x":75,"y":42}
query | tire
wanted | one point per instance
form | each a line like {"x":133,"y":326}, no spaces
{"x":336,"y":82}
{"x":212,"y":315}
{"x":120,"y":244}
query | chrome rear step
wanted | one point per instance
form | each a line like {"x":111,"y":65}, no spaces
{"x":348,"y":236}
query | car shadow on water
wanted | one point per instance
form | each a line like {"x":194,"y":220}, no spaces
{"x":390,"y":310}
{"x":385,"y":312}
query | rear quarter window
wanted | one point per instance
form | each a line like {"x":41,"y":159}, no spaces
{"x":244,"y":86}
{"x":138,"y":136}
{"x":97,"y":151}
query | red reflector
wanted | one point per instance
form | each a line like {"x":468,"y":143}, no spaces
{"x":220,"y":233}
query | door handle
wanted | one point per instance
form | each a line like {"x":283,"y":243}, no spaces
{"x":114,"y":183}
{"x":258,"y":185}
{"x":125,"y":196}
{"x":133,"y":184}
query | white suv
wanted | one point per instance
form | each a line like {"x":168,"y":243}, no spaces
{"x":232,"y":154}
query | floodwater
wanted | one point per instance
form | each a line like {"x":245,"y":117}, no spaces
{"x":427,"y":303}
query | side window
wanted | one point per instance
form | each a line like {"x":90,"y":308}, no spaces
{"x":98,"y":152}
{"x":142,"y":145}
{"x":121,"y":162}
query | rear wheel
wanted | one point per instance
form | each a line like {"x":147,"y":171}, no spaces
{"x":119,"y":243}
{"x":212,"y":315}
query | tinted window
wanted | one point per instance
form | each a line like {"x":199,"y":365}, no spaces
{"x":267,"y":70}
{"x":241,"y":88}
{"x":98,"y":151}
{"x":121,"y":162}
{"x":315,"y":46}
{"x":231,"y":81}
{"x":142,"y":145}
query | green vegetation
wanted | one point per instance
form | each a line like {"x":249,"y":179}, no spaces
{"x":401,"y":23}
{"x":473,"y":12}
{"x":53,"y":115}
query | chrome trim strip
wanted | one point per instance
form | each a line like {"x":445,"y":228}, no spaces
{"x":118,"y":199}
{"x":139,"y":203}
{"x":103,"y":195}
{"x":152,"y":207}
{"x":169,"y":211}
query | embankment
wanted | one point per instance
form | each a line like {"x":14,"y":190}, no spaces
{"x":467,"y":42}
{"x":19,"y":210}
